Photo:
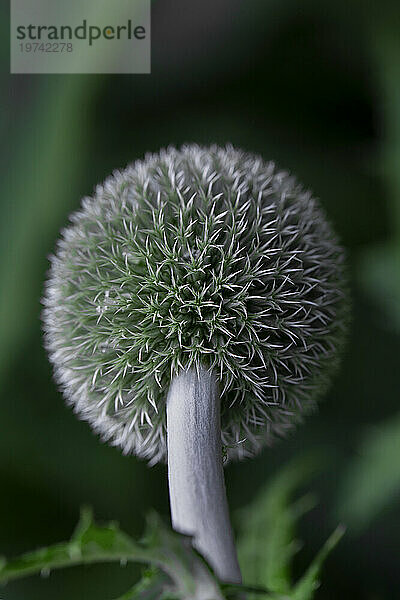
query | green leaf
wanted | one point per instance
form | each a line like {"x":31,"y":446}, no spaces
{"x":90,"y":543}
{"x":309,"y":582}
{"x":379,"y":275}
{"x":379,"y":265}
{"x":177,"y":571}
{"x":267,"y":544}
{"x":376,"y":461}
{"x":153,"y":586}
{"x":189,"y":576}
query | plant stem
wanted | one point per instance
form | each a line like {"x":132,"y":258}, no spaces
{"x":196,"y":480}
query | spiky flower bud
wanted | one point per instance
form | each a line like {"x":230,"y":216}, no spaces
{"x":196,"y":256}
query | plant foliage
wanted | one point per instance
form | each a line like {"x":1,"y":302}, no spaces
{"x":175,"y":571}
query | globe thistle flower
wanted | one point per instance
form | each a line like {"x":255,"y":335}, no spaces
{"x":201,"y":263}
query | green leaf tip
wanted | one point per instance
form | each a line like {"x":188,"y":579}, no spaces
{"x":268,"y":544}
{"x":309,"y":582}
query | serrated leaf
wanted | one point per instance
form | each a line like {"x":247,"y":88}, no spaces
{"x":267,"y":544}
{"x":90,"y":543}
{"x":178,"y":572}
{"x":171,"y":552}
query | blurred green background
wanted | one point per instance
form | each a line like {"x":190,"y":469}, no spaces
{"x":313,"y":85}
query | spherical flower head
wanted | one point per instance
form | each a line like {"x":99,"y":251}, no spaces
{"x":196,"y":256}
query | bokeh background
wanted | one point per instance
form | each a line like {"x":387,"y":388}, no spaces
{"x":316,"y":87}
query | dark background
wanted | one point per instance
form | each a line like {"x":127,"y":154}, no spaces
{"x":313,"y":85}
